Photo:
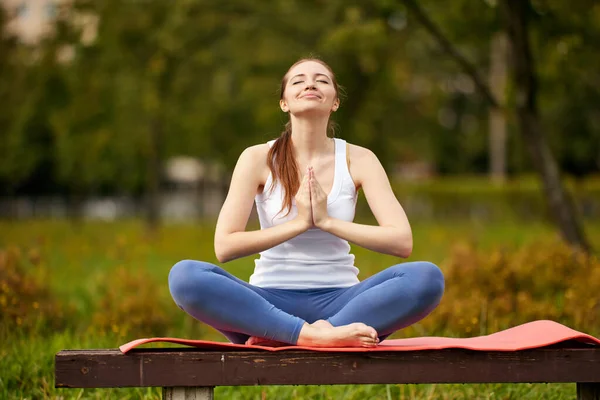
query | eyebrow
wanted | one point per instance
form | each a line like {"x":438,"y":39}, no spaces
{"x":317,"y":74}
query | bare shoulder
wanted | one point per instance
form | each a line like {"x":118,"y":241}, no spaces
{"x":362,"y":162}
{"x":253,"y":161}
{"x":254,"y":156}
{"x":360,"y":154}
{"x":256,"y":153}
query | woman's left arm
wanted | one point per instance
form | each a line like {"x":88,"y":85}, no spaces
{"x":393,"y":235}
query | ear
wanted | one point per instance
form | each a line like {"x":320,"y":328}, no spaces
{"x":283,"y":106}
{"x":336,"y":105}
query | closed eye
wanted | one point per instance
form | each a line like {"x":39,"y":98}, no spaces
{"x":323,"y":81}
{"x":297,"y":82}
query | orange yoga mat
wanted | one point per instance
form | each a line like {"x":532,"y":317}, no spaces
{"x":527,"y":336}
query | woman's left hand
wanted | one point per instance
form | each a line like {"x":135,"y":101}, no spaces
{"x":318,"y":199}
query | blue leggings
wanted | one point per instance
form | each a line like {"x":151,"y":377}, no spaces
{"x":387,"y":301}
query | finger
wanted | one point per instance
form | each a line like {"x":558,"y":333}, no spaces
{"x":317,"y":187}
{"x":302,"y":192}
{"x":308,"y":178}
{"x":313,"y":190}
{"x":306,"y":188}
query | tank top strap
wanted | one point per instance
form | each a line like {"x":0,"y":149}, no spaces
{"x":341,"y":158}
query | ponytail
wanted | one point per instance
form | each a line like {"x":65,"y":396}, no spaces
{"x":284,"y":168}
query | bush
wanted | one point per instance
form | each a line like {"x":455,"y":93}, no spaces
{"x":25,"y":297}
{"x":132,"y":304}
{"x":487,"y":291}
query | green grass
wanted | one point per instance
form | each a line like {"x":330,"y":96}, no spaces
{"x":78,"y":263}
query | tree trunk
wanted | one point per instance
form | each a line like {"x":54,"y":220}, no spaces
{"x":560,"y":204}
{"x":515,"y":15}
{"x":153,"y":175}
{"x":497,"y":118}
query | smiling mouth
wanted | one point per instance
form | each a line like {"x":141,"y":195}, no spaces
{"x":311,"y":96}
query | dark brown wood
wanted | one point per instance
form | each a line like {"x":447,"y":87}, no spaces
{"x":189,"y":367}
{"x":588,"y":391}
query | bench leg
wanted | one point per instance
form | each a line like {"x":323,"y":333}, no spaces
{"x":188,"y":393}
{"x":588,"y":391}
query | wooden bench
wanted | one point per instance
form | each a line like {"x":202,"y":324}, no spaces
{"x":188,"y":373}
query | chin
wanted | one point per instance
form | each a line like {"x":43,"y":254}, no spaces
{"x":311,"y":111}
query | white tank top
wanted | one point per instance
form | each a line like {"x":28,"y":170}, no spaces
{"x":313,"y":259}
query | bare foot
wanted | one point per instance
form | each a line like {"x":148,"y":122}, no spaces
{"x":323,"y":334}
{"x":258,"y":341}
{"x":322,"y":324}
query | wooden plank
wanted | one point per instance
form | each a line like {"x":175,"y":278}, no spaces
{"x":588,"y":391}
{"x":188,"y":393}
{"x":189,"y":367}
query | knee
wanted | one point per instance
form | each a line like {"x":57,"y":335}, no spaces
{"x":185,"y":277}
{"x":432,"y":282}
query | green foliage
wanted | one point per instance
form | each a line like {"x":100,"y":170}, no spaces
{"x":24,"y":135}
{"x":131,"y":301}
{"x":203,"y":77}
{"x":509,"y":286}
{"x":26,"y":302}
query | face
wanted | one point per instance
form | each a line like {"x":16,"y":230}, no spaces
{"x":309,"y":87}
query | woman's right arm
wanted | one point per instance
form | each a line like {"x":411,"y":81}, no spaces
{"x":231,"y":239}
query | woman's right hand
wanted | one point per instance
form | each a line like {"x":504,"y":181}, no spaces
{"x":303,"y":202}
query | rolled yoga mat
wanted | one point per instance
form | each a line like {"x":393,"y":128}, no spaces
{"x":527,"y":336}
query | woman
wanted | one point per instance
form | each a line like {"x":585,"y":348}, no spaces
{"x":305,"y":289}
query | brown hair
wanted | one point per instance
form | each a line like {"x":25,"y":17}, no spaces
{"x":281,"y":158}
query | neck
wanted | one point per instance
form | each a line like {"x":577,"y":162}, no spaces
{"x":309,"y":137}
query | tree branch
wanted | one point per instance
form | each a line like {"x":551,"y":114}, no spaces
{"x":452,"y":51}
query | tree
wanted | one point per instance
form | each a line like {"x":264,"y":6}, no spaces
{"x":516,"y":16}
{"x":515,"y":13}
{"x":25,"y":157}
{"x":123,"y":90}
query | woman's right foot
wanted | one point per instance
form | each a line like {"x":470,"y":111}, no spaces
{"x":319,"y":334}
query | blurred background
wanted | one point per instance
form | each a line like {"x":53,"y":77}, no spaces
{"x":121,"y":121}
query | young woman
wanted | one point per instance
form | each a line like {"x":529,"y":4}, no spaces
{"x":305,"y":289}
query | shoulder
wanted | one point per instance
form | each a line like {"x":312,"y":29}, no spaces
{"x":363,"y":163}
{"x":258,"y":152}
{"x":360,"y":154}
{"x":252,"y":163}
{"x":361,"y":159}
{"x":254,"y":156}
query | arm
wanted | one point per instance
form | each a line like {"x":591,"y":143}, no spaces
{"x":231,"y":239}
{"x":393,"y":235}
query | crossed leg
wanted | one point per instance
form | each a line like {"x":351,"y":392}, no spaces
{"x":388,"y":301}
{"x":392,"y":299}
{"x":240,"y":310}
